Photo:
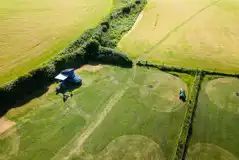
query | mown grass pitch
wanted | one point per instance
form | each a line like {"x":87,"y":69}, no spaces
{"x":46,"y":124}
{"x":34,"y":31}
{"x":215,"y":128}
{"x":113,"y":115}
{"x":188,"y":33}
{"x":155,"y":121}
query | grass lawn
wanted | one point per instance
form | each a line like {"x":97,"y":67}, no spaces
{"x":34,"y":31}
{"x":143,"y":124}
{"x":188,"y":33}
{"x":215,"y":128}
{"x":46,"y":125}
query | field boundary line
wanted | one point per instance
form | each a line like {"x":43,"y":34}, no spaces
{"x":167,"y":68}
{"x":175,"y":29}
{"x":78,"y":140}
{"x":140,"y":16}
{"x":191,"y":104}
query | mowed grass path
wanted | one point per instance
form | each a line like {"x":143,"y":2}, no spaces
{"x":144,"y":124}
{"x":188,"y":33}
{"x":34,"y":31}
{"x":46,"y":124}
{"x":215,"y":128}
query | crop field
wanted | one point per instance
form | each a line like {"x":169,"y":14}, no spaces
{"x":133,"y":108}
{"x":187,"y":33}
{"x":135,"y":112}
{"x":34,"y":31}
{"x":215,"y":128}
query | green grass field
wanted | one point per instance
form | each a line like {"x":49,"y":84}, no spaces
{"x":34,"y":31}
{"x":215,"y":128}
{"x":46,"y":124}
{"x":188,"y":33}
{"x":117,"y":113}
{"x":144,"y":124}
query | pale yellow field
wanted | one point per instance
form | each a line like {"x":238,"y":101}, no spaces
{"x":32,"y":31}
{"x":187,"y":33}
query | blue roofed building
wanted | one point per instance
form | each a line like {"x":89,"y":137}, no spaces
{"x":68,"y":75}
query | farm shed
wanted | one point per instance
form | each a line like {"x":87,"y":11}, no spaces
{"x":68,"y":75}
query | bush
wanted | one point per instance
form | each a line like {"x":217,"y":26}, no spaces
{"x":109,"y":56}
{"x":137,"y":2}
{"x":126,"y":10}
{"x":104,"y":28}
{"x":105,"y":23}
{"x":92,"y":49}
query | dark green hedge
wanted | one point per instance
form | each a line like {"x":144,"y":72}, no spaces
{"x":183,"y":70}
{"x":110,"y":56}
{"x":167,"y":68}
{"x":188,"y":119}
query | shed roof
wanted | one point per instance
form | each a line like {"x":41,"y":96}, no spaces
{"x":67,"y":71}
{"x":61,"y":77}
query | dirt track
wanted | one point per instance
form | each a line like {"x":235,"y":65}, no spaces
{"x":5,"y":124}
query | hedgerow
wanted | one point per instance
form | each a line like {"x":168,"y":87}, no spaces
{"x":110,"y":56}
{"x":188,"y":119}
{"x":184,"y":70}
{"x":119,"y":22}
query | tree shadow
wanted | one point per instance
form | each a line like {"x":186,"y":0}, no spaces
{"x":183,"y":99}
{"x":25,"y":99}
{"x":67,"y":90}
